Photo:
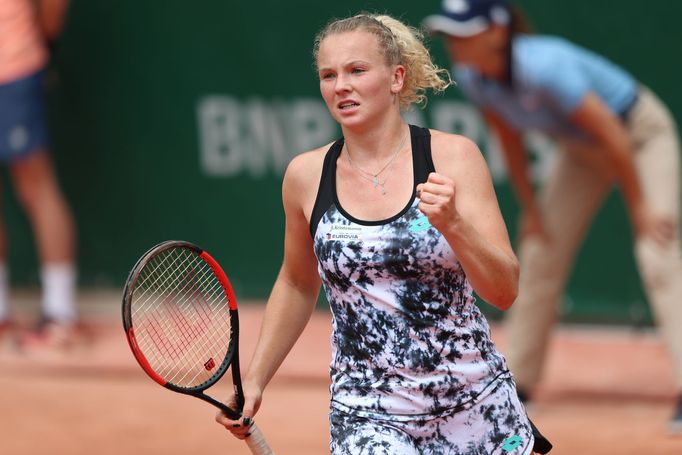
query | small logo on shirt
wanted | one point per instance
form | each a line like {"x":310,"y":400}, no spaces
{"x":343,"y":232}
{"x":511,"y":443}
{"x":420,"y":224}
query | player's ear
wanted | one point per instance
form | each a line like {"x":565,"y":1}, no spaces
{"x":397,"y":79}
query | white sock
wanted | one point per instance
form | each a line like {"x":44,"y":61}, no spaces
{"x":4,"y":291}
{"x":59,"y":282}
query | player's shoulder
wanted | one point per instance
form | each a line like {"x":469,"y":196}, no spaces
{"x":448,"y":146}
{"x":454,"y":154}
{"x":305,"y":169}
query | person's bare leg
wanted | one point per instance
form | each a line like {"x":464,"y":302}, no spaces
{"x":38,"y":192}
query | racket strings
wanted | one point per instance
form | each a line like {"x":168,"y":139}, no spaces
{"x":181,"y":316}
{"x":180,"y":377}
{"x":189,"y":328}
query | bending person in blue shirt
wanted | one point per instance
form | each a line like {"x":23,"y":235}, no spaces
{"x":609,"y":128}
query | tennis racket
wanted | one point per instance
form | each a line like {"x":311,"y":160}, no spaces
{"x":180,"y":317}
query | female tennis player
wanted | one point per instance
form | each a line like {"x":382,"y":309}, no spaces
{"x":400,"y":224}
{"x":610,"y":129}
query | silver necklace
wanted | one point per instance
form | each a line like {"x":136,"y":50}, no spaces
{"x":374,"y":178}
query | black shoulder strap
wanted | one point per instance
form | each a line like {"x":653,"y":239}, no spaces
{"x":325,"y":192}
{"x":421,"y":153}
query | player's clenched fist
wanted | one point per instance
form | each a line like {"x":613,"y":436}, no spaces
{"x":437,"y":200}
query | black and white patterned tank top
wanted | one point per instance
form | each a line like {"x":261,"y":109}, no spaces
{"x":407,"y":336}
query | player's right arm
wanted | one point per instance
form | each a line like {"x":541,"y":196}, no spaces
{"x":295,"y":291}
{"x":516,"y":159}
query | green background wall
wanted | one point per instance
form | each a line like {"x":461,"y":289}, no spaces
{"x":174,"y":119}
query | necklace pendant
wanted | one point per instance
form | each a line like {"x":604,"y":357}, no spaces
{"x":383,"y":190}
{"x":375,"y":181}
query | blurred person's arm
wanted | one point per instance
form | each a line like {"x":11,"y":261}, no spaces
{"x":51,"y":15}
{"x":595,"y":118}
{"x":516,"y":159}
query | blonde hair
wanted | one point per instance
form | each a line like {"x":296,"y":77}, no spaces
{"x":401,"y":44}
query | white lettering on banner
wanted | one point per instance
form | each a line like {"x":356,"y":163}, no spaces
{"x":257,"y":136}
{"x":219,"y":136}
{"x":459,"y":117}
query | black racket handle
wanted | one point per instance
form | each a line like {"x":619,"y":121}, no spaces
{"x":228,"y":411}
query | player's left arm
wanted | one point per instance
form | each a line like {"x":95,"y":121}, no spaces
{"x":459,"y":200}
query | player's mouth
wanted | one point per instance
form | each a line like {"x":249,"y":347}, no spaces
{"x":347,"y":105}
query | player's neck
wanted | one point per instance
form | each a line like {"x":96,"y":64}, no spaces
{"x":375,"y":143}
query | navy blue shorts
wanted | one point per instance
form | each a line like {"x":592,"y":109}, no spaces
{"x":23,"y":130}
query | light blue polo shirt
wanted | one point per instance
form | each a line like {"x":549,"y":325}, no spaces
{"x":551,"y":78}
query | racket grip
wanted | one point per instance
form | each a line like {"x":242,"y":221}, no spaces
{"x":257,"y":442}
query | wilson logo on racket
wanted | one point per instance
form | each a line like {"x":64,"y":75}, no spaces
{"x":210,"y":364}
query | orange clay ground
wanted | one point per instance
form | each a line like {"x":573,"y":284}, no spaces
{"x":607,"y":391}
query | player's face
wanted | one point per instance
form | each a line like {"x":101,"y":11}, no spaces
{"x":356,"y":83}
{"x":487,"y":51}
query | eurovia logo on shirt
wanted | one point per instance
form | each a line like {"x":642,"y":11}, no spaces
{"x":344,"y":232}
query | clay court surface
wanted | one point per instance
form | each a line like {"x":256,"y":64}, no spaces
{"x":607,"y":391}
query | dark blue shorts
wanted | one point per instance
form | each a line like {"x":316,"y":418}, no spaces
{"x":23,"y":130}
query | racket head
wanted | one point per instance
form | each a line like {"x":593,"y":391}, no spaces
{"x":180,"y":317}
